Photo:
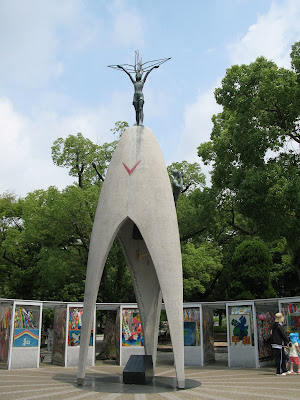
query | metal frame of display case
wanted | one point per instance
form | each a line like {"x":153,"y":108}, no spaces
{"x":8,"y":304}
{"x":265,"y":355}
{"x":242,"y":359}
{"x":242,"y":355}
{"x":72,"y":352}
{"x":287,"y":301}
{"x":24,"y":357}
{"x":194,"y":355}
{"x":126,"y":352}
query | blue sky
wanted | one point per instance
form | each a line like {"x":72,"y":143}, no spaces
{"x":54,"y":79}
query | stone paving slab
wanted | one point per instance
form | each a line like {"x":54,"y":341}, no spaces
{"x":104,"y":381}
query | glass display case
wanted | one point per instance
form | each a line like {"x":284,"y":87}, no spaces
{"x":291,"y":313}
{"x":132,"y":334}
{"x":26,"y":326}
{"x":59,"y":335}
{"x":265,"y":318}
{"x":242,"y":335}
{"x":25,"y":340}
{"x":191,"y":326}
{"x":5,"y":323}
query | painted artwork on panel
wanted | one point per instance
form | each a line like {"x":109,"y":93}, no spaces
{"x":190,"y":333}
{"x":291,"y":313}
{"x":240,"y":330}
{"x":26,"y":327}
{"x":132,"y":334}
{"x":191,"y":326}
{"x":265,"y":321}
{"x":75,"y":323}
{"x":5,"y":315}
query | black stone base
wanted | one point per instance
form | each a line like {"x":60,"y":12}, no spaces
{"x":138,"y":370}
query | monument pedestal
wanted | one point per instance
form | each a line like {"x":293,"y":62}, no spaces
{"x":138,"y":370}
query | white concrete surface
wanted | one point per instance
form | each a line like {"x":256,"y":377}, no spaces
{"x":137,"y":189}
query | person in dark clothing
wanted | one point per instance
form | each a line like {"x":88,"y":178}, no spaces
{"x":279,"y":341}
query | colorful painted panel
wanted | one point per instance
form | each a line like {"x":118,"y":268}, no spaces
{"x":26,"y":337}
{"x":27,"y":318}
{"x":132,"y":334}
{"x":240,"y":310}
{"x":5,"y":315}
{"x":75,"y":323}
{"x":291,"y":313}
{"x":26,"y":326}
{"x":190,"y":333}
{"x":191,"y":326}
{"x":240,"y":330}
{"x":265,"y":321}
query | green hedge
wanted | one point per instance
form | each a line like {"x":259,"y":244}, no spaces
{"x":220,"y":329}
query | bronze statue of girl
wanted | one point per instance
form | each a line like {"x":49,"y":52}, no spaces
{"x":138,"y":97}
{"x":139,"y":68}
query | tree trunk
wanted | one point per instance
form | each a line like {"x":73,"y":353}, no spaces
{"x":108,"y":349}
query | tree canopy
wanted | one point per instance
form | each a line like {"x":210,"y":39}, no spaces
{"x":254,"y":150}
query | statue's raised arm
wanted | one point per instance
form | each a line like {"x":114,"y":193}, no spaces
{"x":126,"y":72}
{"x":139,"y":68}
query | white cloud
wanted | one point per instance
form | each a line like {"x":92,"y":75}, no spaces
{"x":198,"y":127}
{"x":271,"y":36}
{"x":33,"y":33}
{"x":128,"y":25}
{"x":25,"y":151}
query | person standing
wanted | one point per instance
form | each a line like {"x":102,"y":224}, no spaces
{"x":279,"y":341}
{"x":294,"y":353}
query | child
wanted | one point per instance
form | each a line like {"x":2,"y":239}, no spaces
{"x":294,"y":349}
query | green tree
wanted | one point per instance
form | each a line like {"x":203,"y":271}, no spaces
{"x":79,"y":153}
{"x":251,"y":267}
{"x":119,"y":128}
{"x":252,"y":148}
{"x":200,"y":266}
{"x":193,"y":177}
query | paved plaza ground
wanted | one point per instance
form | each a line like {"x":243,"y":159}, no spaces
{"x":104,"y":381}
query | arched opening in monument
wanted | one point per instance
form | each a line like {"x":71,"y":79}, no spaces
{"x":126,"y":277}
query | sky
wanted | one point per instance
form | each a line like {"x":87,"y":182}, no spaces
{"x":54,"y":80}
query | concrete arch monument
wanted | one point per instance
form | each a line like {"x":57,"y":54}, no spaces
{"x":137,"y":194}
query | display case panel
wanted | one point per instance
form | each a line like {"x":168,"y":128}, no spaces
{"x":191,"y":326}
{"x":24,"y":350}
{"x":26,"y":326}
{"x":291,"y":313}
{"x":75,"y":323}
{"x":241,"y":326}
{"x":265,"y":318}
{"x":132,"y":334}
{"x":59,"y":336}
{"x":208,"y":334}
{"x":5,"y":320}
{"x":242,"y":335}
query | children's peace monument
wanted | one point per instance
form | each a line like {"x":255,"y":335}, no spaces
{"x":136,"y":205}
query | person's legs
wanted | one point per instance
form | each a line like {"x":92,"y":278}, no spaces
{"x":283,"y":362}
{"x":291,"y":367}
{"x":277,"y":359}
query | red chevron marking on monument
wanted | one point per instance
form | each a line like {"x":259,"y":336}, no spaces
{"x":130,"y":171}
